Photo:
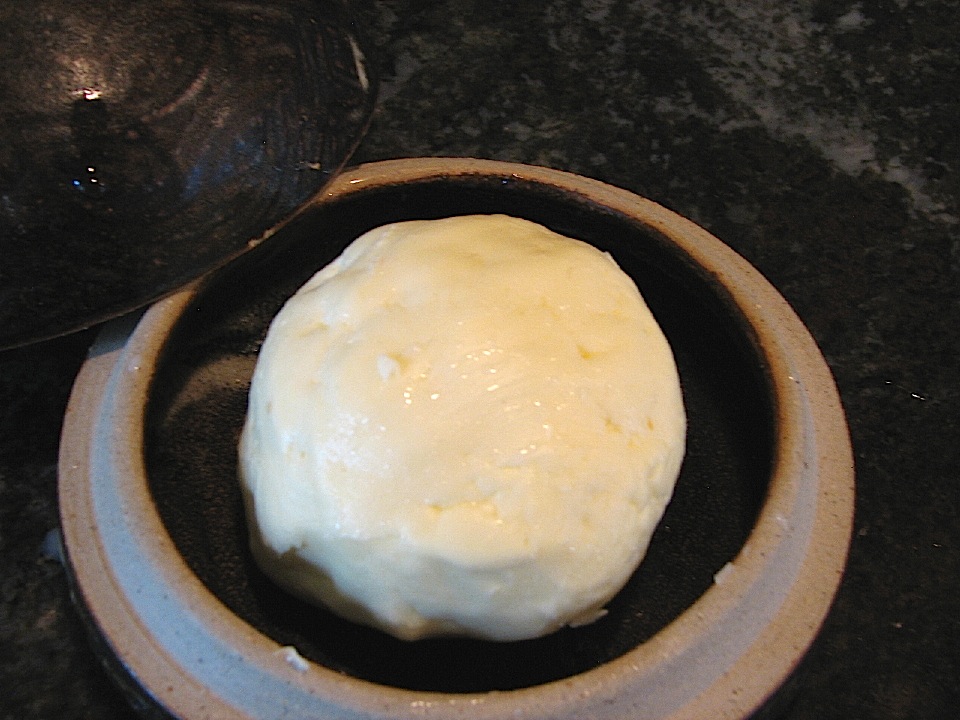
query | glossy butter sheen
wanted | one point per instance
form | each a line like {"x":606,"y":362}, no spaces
{"x":461,"y":426}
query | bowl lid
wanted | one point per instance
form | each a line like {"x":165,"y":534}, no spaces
{"x":146,"y":143}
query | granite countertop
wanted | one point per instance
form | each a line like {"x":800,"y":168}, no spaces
{"x":818,"y":139}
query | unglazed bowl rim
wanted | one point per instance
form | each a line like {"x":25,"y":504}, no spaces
{"x":187,"y":654}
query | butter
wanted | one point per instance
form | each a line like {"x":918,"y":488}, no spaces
{"x":462,"y":426}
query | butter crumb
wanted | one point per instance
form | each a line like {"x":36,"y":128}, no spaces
{"x":723,"y":573}
{"x":293,"y":658}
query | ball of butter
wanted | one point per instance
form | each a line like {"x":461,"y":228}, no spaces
{"x":462,"y":426}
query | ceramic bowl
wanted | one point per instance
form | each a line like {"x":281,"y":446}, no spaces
{"x":737,"y":581}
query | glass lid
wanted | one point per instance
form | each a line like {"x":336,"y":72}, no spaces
{"x":146,"y":143}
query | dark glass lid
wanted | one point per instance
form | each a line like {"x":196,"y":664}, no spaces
{"x":145,"y":143}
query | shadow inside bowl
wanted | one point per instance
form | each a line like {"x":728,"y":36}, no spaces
{"x":198,"y":403}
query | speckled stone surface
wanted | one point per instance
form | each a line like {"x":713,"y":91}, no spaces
{"x":819,"y":139}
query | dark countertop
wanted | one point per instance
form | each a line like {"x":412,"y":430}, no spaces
{"x":819,"y":140}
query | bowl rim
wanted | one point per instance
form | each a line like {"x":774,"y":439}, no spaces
{"x":723,"y":657}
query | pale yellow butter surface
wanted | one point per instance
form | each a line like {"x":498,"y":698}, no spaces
{"x":469,"y":425}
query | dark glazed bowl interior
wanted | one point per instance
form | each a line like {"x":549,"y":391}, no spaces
{"x":198,"y":402}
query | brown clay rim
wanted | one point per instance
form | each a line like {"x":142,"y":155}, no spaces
{"x":722,"y":658}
